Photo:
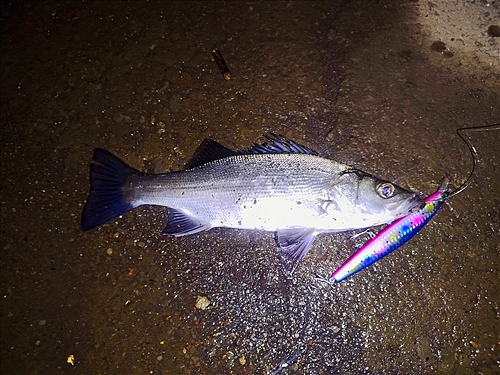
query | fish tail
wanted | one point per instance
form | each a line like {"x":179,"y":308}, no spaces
{"x":107,"y":198}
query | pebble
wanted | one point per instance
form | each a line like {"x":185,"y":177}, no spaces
{"x":202,"y":302}
{"x":494,"y":31}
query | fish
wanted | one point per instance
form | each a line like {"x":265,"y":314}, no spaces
{"x":393,"y":236}
{"x":278,"y":186}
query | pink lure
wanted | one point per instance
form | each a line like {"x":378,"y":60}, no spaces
{"x":393,"y":236}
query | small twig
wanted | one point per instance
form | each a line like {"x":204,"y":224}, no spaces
{"x":224,"y":70}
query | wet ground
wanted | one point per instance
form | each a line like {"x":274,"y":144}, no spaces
{"x":379,"y":85}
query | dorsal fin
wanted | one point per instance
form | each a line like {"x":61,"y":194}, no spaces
{"x":209,"y":151}
{"x":280,"y":145}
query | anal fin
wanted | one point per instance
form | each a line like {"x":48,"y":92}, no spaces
{"x":294,"y":245}
{"x":181,"y":224}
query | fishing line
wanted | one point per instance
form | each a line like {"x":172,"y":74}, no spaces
{"x":473,"y":152}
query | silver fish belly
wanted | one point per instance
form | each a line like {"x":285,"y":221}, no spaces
{"x":281,"y":187}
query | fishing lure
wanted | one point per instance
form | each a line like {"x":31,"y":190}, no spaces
{"x":393,"y":236}
{"x":402,"y":230}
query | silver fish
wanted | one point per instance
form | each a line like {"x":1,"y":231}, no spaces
{"x":279,"y":186}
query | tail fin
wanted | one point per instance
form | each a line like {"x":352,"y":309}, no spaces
{"x":106,"y":199}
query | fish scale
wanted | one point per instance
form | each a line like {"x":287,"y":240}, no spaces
{"x":232,"y":192}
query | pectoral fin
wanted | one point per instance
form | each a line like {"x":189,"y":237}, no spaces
{"x":294,"y":245}
{"x":181,"y":224}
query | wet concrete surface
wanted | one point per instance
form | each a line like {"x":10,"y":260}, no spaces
{"x":368,"y":83}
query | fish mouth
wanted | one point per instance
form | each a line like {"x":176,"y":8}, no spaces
{"x":415,"y":203}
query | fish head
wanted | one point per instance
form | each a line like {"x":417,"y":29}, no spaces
{"x":373,"y":201}
{"x":384,"y":200}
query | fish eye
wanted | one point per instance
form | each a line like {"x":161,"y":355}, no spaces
{"x":385,"y":189}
